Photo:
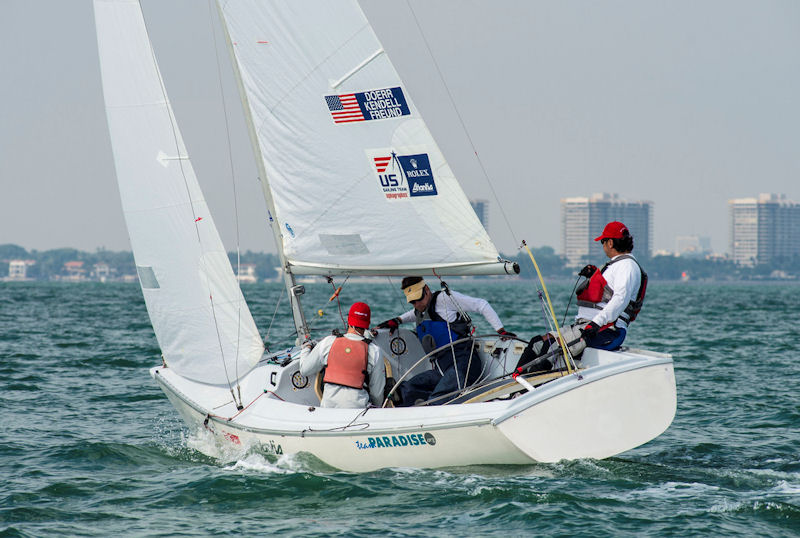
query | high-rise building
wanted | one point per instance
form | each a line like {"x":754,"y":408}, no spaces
{"x":481,"y":208}
{"x":764,"y":229}
{"x":583,"y":218}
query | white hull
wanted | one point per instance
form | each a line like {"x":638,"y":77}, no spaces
{"x":619,"y":401}
{"x":293,"y":99}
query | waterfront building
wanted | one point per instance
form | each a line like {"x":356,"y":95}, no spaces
{"x":18,"y":270}
{"x":765,"y":229}
{"x":247,"y":273}
{"x":101,"y":271}
{"x":74,"y":272}
{"x":583,"y":218}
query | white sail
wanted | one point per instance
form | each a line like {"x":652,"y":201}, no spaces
{"x":356,"y":180}
{"x":202,"y":324}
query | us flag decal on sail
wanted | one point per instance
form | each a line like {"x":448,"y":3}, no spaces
{"x":381,"y":104}
{"x":381,"y":163}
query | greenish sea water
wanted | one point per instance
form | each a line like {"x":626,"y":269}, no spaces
{"x":89,"y":446}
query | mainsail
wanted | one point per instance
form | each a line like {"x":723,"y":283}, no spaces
{"x":356,"y":181}
{"x":202,"y":324}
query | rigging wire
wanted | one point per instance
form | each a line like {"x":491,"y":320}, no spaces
{"x":232,"y":171}
{"x":465,"y":317}
{"x":269,"y":329}
{"x":175,"y":138}
{"x":461,"y":120}
{"x":569,"y":303}
{"x":397,"y":293}
{"x":561,"y":341}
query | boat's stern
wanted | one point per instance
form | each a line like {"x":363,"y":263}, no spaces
{"x":626,"y":400}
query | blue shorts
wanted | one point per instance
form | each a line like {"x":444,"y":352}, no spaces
{"x":608,"y":339}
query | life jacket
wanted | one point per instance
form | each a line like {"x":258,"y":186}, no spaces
{"x":431,"y":325}
{"x":347,"y":363}
{"x":595,"y":290}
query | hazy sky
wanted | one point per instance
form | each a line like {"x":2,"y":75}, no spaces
{"x":684,"y":103}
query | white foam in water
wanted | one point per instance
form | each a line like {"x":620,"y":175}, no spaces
{"x":670,"y":490}
{"x":785,"y":487}
{"x":727,"y":506}
{"x":292,"y":462}
{"x":260,"y":464}
{"x":772,"y":473}
{"x":207,"y":443}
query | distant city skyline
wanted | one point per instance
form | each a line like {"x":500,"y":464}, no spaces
{"x":685,"y":104}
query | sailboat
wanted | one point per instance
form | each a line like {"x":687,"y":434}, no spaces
{"x":345,"y":158}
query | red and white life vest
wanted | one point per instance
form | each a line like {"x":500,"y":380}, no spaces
{"x":347,"y":363}
{"x":596,"y":290}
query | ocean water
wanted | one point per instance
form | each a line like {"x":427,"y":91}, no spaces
{"x":89,"y":446}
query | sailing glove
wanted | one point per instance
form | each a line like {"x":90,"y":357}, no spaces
{"x":502,"y":332}
{"x":391,"y":324}
{"x":590,"y":331}
{"x":588,"y":271}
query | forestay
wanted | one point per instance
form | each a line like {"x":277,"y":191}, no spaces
{"x":357,"y":182}
{"x":196,"y":307}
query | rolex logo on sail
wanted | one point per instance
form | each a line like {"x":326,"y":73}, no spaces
{"x":402,"y":176}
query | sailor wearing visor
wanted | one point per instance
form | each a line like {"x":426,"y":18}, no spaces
{"x":442,"y":318}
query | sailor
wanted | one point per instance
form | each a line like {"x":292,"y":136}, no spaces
{"x":354,"y":372}
{"x":608,"y":300}
{"x":442,"y":318}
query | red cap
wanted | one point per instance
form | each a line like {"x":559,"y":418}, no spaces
{"x":359,"y":315}
{"x":613,"y":230}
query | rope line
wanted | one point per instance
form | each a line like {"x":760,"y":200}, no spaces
{"x":552,"y":312}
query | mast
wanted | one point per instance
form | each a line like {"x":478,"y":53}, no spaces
{"x":292,"y":289}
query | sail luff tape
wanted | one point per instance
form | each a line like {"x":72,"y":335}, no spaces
{"x":356,"y":69}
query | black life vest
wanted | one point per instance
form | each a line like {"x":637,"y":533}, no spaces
{"x":347,"y":363}
{"x":595,"y":290}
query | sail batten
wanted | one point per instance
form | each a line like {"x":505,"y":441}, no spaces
{"x":202,"y":324}
{"x":355,"y":177}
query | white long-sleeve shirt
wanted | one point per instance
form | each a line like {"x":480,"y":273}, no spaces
{"x":314,"y":360}
{"x":624,"y":278}
{"x":447,"y":309}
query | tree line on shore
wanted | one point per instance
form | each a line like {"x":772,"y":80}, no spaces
{"x":51,"y":265}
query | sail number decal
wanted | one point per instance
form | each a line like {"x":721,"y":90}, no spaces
{"x":402,"y":176}
{"x":381,"y":104}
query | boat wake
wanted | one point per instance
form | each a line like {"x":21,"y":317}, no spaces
{"x":249,"y":457}
{"x":286,"y":464}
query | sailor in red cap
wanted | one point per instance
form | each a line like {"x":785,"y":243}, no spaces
{"x":608,"y":300}
{"x":354,"y":371}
